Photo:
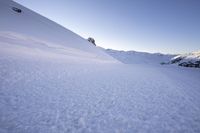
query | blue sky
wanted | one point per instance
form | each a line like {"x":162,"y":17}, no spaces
{"x":166,"y":26}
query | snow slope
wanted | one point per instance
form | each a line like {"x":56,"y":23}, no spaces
{"x":133,"y":57}
{"x":48,"y":85}
{"x":29,"y":26}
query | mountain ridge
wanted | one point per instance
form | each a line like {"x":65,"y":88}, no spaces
{"x":135,"y":57}
{"x":28,"y":24}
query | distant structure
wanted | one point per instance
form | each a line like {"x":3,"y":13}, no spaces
{"x":90,"y":39}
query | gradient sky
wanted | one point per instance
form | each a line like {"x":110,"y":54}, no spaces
{"x":166,"y":26}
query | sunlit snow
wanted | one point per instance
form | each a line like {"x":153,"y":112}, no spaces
{"x":54,"y":81}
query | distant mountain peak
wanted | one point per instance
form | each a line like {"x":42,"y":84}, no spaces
{"x":187,"y":60}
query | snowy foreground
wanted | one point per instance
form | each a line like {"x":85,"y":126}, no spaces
{"x":54,"y":81}
{"x":57,"y":93}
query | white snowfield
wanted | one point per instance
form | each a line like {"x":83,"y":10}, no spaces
{"x":30,"y":26}
{"x":134,"y":57}
{"x":53,"y":81}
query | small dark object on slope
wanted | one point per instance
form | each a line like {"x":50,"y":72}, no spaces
{"x":90,"y":39}
{"x":16,"y":9}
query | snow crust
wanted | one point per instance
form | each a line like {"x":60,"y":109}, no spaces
{"x":53,"y":81}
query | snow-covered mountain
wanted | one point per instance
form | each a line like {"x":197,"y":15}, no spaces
{"x":54,"y":81}
{"x":41,"y":34}
{"x":134,"y":57}
{"x":187,"y":60}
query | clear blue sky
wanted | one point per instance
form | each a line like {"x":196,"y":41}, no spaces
{"x":166,"y":26}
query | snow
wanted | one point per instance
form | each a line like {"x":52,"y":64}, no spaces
{"x":134,"y":57}
{"x":189,"y":57}
{"x":187,"y":60}
{"x":55,"y":84}
{"x":30,"y":25}
{"x":40,"y":95}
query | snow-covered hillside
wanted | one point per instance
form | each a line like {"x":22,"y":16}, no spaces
{"x":28,"y":26}
{"x":54,"y":81}
{"x":187,"y":60}
{"x":133,"y":57}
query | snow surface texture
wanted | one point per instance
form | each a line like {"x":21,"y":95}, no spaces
{"x":52,"y":85}
{"x":134,"y":57}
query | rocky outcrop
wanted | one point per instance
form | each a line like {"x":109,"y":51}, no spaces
{"x":187,"y":60}
{"x":90,"y":39}
{"x":16,"y":9}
